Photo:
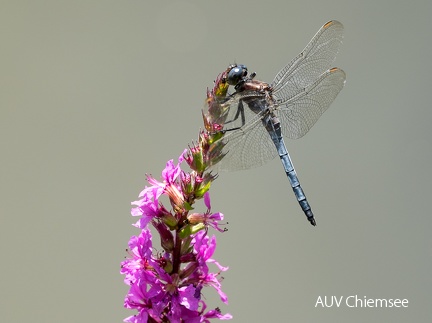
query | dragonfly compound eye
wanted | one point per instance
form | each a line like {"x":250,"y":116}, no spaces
{"x":236,"y":74}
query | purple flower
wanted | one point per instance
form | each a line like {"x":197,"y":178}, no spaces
{"x":215,"y":314}
{"x":143,"y":300}
{"x":171,"y":172}
{"x":204,"y":248}
{"x":148,"y":206}
{"x":209,"y":219}
{"x":167,"y":285}
{"x":140,"y":248}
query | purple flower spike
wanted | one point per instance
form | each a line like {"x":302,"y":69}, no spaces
{"x":167,"y":285}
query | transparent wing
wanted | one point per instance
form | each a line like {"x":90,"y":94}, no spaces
{"x":299,"y":113}
{"x":249,"y":145}
{"x":315,"y":59}
{"x":246,"y":145}
{"x":230,"y":115}
{"x":302,"y":90}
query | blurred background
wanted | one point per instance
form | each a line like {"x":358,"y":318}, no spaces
{"x":94,"y":94}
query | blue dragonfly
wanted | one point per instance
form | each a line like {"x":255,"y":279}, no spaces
{"x":289,"y":106}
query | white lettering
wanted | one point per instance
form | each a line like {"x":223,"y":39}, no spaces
{"x":381,"y":301}
{"x":347,"y":301}
{"x":328,"y":302}
{"x":319,"y":301}
{"x":336,"y":301}
{"x":356,"y":301}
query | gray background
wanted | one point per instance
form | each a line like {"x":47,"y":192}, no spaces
{"x":94,"y":94}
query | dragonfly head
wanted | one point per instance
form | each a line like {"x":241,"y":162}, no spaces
{"x":236,"y":74}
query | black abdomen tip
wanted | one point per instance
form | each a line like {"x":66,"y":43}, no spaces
{"x":310,"y":217}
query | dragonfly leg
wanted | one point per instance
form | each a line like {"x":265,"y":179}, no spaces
{"x":240,"y":112}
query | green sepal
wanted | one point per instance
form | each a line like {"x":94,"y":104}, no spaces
{"x":168,"y":267}
{"x":170,"y":220}
{"x":199,"y":193}
{"x":187,"y":187}
{"x":190,"y":229}
{"x":215,"y":136}
{"x":198,"y":227}
{"x":198,"y":161}
{"x":187,"y":206}
{"x":185,"y":232}
{"x":185,"y":246}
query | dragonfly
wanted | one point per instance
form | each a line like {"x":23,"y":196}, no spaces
{"x":260,"y":115}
